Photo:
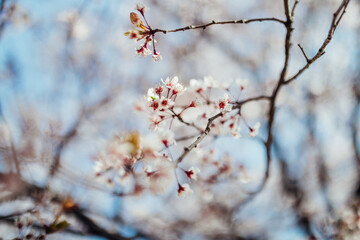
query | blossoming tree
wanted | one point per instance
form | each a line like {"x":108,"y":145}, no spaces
{"x":189,"y":156}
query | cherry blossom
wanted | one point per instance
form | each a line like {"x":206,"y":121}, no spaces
{"x":141,"y":8}
{"x":170,"y":83}
{"x":144,"y":31}
{"x":168,"y":105}
{"x":242,"y":83}
{"x":167,"y":137}
{"x":255,"y":130}
{"x":156,"y":56}
{"x":224,"y":103}
{"x":184,"y":190}
{"x":165,"y":103}
{"x":192,"y":173}
{"x":143,"y":50}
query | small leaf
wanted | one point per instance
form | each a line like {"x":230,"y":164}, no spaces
{"x":137,"y":21}
{"x":56,"y":227}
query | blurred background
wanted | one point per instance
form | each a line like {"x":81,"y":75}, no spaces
{"x":69,"y":80}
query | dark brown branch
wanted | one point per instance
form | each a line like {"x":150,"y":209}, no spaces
{"x":303,"y":52}
{"x":282,"y":81}
{"x":262,"y":97}
{"x":185,"y":138}
{"x":287,"y":9}
{"x":199,"y":138}
{"x":204,"y":26}
{"x":271,"y":114}
{"x":337,"y":16}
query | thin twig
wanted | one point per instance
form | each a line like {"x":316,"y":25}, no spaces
{"x":204,"y":26}
{"x":185,"y":138}
{"x":303,"y":52}
{"x":262,"y":97}
{"x":293,"y":8}
{"x":199,"y":138}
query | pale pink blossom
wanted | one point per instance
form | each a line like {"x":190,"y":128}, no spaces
{"x":178,"y":89}
{"x":197,"y":85}
{"x":224,"y":103}
{"x":151,"y":94}
{"x":196,"y":103}
{"x":167,"y":137}
{"x":134,"y":34}
{"x":141,"y":7}
{"x":192,"y":173}
{"x":255,"y":130}
{"x":209,"y":82}
{"x":165,"y":103}
{"x":184,"y":190}
{"x":170,"y":83}
{"x":156,"y":56}
{"x":242,"y":83}
{"x":143,"y":51}
{"x":154,"y":104}
{"x":154,"y":122}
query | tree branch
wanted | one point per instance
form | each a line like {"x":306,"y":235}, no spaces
{"x":204,"y":26}
{"x":337,"y":16}
{"x":199,"y":138}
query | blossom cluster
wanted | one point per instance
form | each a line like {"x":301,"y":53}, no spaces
{"x":174,"y":111}
{"x":143,"y":32}
{"x":43,"y":219}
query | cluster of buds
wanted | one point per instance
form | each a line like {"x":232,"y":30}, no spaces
{"x":143,"y":32}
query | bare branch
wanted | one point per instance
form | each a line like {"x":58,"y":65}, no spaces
{"x":293,"y":8}
{"x":204,"y":26}
{"x":303,"y":52}
{"x":262,"y":97}
{"x":199,"y":138}
{"x":337,"y":16}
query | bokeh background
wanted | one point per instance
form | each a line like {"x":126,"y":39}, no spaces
{"x":69,"y":80}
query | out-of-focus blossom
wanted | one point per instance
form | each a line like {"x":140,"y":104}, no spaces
{"x":242,"y":83}
{"x":143,"y":50}
{"x":156,"y":56}
{"x":141,"y":8}
{"x":255,"y":130}
{"x":184,"y":190}
{"x":196,"y":103}
{"x":167,"y":137}
{"x":197,"y":85}
{"x":192,"y":173}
